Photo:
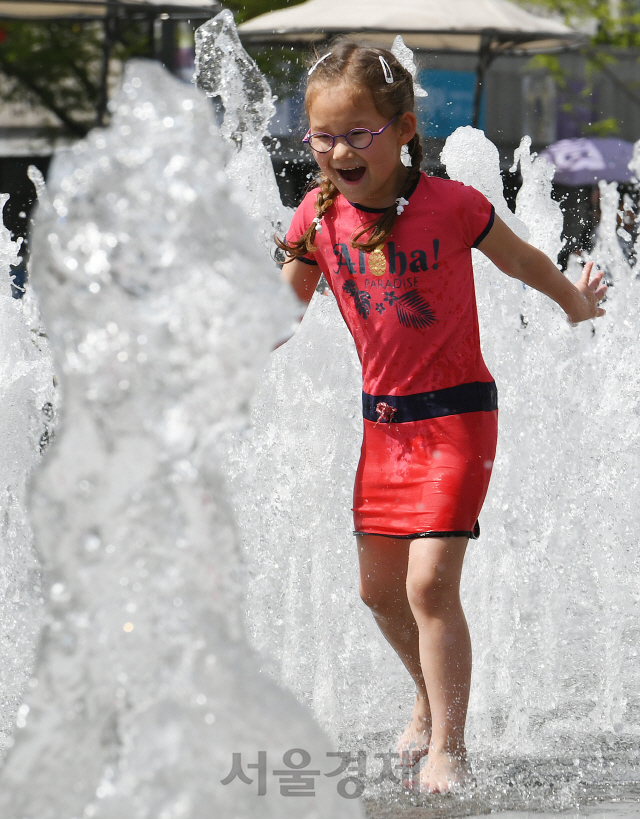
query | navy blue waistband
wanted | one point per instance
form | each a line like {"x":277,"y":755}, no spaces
{"x":480,"y":396}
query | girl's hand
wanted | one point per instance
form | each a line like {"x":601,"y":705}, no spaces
{"x":592,"y":292}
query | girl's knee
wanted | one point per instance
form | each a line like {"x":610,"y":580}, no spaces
{"x":371,"y":595}
{"x":431,"y":590}
{"x":376,"y":596}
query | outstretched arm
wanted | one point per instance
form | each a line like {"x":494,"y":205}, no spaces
{"x":302,"y":277}
{"x":522,"y":261}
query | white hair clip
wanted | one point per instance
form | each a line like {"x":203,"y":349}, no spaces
{"x":404,"y":56}
{"x":316,"y":64}
{"x":387,"y":71}
{"x":318,"y":223}
{"x":402,"y":203}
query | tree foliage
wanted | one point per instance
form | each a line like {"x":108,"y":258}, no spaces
{"x":615,"y":25}
{"x":58,"y":65}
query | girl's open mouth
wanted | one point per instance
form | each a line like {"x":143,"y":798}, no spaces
{"x":351,"y":174}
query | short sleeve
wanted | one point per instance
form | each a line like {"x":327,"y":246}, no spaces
{"x":302,"y":218}
{"x":476,"y":216}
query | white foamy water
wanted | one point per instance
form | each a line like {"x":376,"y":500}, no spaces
{"x":27,"y":410}
{"x":225,"y":71}
{"x":161,"y":305}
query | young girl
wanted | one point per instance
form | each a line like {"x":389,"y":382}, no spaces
{"x":395,"y":248}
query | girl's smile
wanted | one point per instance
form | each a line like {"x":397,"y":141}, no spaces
{"x":371,"y":176}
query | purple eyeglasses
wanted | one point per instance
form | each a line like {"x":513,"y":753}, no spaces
{"x":358,"y":138}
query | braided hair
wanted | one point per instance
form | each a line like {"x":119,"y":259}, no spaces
{"x":360,"y":65}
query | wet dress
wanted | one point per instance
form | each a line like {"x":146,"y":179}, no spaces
{"x":429,"y":402}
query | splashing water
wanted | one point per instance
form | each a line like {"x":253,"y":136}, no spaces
{"x":161,"y":307}
{"x":534,"y":206}
{"x":161,"y":311}
{"x":35,"y":175}
{"x":225,"y":70}
{"x":27,"y":409}
{"x":607,"y":248}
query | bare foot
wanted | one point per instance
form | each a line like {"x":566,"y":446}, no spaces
{"x":414,"y":741}
{"x":444,"y":772}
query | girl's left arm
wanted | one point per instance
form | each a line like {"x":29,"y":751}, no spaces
{"x":522,"y":261}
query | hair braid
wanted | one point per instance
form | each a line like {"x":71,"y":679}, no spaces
{"x":416,"y":153}
{"x":326,"y":196}
{"x":305,"y":244}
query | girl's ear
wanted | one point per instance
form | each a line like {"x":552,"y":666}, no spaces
{"x":408,"y":127}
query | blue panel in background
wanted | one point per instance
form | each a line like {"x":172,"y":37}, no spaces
{"x":449,"y":104}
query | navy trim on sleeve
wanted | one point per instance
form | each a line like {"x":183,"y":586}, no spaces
{"x":487,"y":229}
{"x":306,"y":261}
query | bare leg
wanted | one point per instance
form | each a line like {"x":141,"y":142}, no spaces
{"x":383,"y":573}
{"x":433,"y":589}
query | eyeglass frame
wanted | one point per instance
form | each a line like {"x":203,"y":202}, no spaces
{"x":309,"y":135}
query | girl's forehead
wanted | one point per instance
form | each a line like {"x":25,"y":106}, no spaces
{"x":338,"y":100}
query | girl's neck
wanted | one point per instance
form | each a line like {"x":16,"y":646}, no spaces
{"x":395,"y":192}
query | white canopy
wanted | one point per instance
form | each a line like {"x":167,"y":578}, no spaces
{"x":454,"y":25}
{"x":94,"y":9}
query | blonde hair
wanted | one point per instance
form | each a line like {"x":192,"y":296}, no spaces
{"x":360,"y":65}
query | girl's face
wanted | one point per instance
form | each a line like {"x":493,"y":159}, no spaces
{"x":371,"y":176}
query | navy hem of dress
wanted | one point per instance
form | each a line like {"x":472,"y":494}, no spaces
{"x":471,"y":535}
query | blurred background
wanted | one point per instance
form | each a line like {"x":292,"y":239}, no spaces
{"x":565,"y":72}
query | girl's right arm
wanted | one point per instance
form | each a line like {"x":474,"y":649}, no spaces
{"x":302,"y":277}
{"x":522,"y":261}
